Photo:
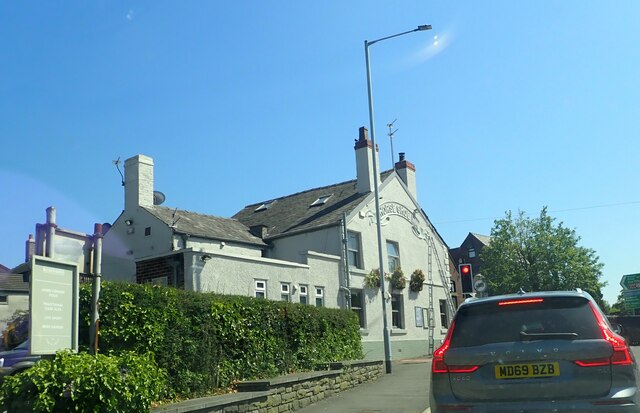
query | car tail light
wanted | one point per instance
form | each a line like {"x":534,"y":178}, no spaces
{"x":437,"y":363}
{"x":621,"y":355}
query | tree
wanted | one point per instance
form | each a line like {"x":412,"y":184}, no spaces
{"x":536,"y":255}
{"x":619,"y":308}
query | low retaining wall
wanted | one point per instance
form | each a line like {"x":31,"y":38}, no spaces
{"x":284,"y":393}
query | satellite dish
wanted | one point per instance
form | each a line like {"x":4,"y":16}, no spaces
{"x":158,"y":198}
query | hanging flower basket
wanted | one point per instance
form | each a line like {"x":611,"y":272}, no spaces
{"x":397,"y":279}
{"x":417,"y":280}
{"x":372,"y":280}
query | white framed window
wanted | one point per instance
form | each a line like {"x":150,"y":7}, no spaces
{"x":357,"y":306}
{"x":393,"y":256}
{"x":321,"y":200}
{"x":319,"y":297}
{"x":444,"y":319}
{"x":397,"y":311}
{"x":285,"y":292}
{"x":261,"y":289}
{"x":353,"y":249}
{"x":304,"y":294}
{"x":264,"y":206}
{"x":4,"y":299}
{"x":472,"y":252}
{"x":163,"y":281}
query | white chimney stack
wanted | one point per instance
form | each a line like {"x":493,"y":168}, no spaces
{"x":407,"y":172}
{"x":364,"y":164}
{"x":138,"y":182}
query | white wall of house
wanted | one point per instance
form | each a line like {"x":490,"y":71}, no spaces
{"x":213,"y":246}
{"x":124,"y":244}
{"x":294,"y":247}
{"x":239,"y":274}
{"x":14,"y":302}
{"x":411,"y":233}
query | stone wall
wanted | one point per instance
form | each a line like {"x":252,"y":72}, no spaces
{"x":285,"y":393}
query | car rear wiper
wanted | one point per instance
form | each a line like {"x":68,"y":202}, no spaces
{"x":547,"y":336}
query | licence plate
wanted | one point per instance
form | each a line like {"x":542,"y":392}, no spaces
{"x":522,"y":371}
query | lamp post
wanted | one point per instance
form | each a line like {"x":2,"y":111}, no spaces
{"x":376,"y":178}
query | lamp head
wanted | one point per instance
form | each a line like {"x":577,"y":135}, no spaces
{"x":423,"y":27}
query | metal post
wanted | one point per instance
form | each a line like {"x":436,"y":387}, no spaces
{"x":376,"y":178}
{"x":97,"y":275}
{"x":51,"y":232}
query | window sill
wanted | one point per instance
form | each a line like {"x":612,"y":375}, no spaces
{"x":364,"y":331}
{"x":398,"y":331}
{"x":443,"y":331}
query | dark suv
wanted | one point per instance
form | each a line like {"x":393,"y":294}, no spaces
{"x":533,"y":352}
{"x":15,"y":360}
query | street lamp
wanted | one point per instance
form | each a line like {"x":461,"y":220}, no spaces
{"x":376,"y":178}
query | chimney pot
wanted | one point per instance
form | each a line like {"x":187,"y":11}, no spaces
{"x":363,"y":133}
{"x":401,"y":156}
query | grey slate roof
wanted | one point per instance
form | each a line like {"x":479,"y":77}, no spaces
{"x":293,"y":213}
{"x":205,"y":226}
{"x":485,"y":239}
{"x":13,"y":282}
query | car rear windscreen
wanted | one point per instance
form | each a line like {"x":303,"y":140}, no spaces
{"x":554,"y":317}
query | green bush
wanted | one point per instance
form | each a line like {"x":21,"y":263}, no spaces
{"x":206,"y":341}
{"x":85,"y":383}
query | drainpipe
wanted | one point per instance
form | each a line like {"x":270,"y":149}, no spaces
{"x":97,"y":277}
{"x":51,"y":232}
{"x":345,"y":250}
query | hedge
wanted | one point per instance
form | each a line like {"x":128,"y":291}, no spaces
{"x":207,"y":341}
{"x":85,"y":383}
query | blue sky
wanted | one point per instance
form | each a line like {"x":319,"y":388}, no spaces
{"x":504,"y":105}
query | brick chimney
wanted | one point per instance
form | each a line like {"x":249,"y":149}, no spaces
{"x":138,"y":182}
{"x":364,"y":164}
{"x":407,"y":172}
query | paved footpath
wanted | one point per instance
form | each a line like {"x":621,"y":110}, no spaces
{"x":405,"y":390}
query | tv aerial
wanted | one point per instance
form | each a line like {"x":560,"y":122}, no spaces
{"x":117,"y":164}
{"x":390,"y":134}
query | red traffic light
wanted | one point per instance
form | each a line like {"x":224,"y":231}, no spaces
{"x":466,"y":278}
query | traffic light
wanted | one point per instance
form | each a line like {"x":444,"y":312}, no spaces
{"x":466,"y":278}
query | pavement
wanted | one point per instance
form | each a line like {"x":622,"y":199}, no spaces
{"x":404,"y":390}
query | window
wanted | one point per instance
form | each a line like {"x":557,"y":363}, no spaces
{"x":163,"y":281}
{"x":321,"y":200}
{"x":393,"y":255}
{"x":353,"y":249}
{"x":452,"y":286}
{"x":285,"y":292}
{"x":482,"y":324}
{"x":472,"y":252}
{"x":264,"y":206}
{"x":444,"y":319}
{"x":147,"y":231}
{"x":357,"y":306}
{"x":397,"y":316}
{"x":319,"y":297}
{"x":261,"y":289}
{"x":304,"y":294}
{"x":4,"y":299}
